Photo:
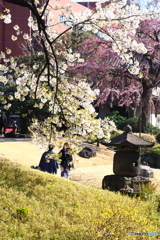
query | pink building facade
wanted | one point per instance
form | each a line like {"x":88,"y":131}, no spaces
{"x":61,"y":16}
{"x":20,"y":17}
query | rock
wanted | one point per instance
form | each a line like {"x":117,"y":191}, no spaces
{"x":158,"y":161}
{"x":150,"y":160}
{"x":146,"y":171}
{"x":87,"y":152}
{"x":144,"y":163}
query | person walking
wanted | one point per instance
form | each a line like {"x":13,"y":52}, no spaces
{"x":3,"y":123}
{"x":66,"y":159}
{"x":48,"y":163}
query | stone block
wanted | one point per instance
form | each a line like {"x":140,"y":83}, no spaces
{"x":150,"y":160}
{"x":126,"y":163}
{"x":146,"y":171}
{"x":124,"y":185}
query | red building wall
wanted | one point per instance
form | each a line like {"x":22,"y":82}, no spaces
{"x":19,"y":17}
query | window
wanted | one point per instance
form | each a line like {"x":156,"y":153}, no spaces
{"x":66,"y":21}
{"x":62,"y":18}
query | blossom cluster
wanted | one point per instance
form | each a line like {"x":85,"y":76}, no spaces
{"x":6,"y":16}
{"x":70,"y":102}
{"x":121,"y":21}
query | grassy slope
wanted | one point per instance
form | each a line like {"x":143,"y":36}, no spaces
{"x":36,"y":205}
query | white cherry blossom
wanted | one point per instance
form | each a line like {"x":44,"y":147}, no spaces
{"x":115,"y":22}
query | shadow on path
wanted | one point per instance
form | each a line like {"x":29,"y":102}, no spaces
{"x":4,"y":139}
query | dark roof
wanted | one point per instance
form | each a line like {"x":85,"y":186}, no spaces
{"x":129,"y":140}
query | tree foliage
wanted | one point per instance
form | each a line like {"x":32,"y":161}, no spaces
{"x":118,"y":85}
{"x":69,"y":99}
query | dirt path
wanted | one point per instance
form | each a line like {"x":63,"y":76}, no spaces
{"x":87,"y":171}
{"x":93,"y":175}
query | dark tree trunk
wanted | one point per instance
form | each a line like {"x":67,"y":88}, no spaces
{"x":145,"y":107}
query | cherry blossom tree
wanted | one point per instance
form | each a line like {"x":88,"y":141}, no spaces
{"x":119,"y":86}
{"x":69,"y":100}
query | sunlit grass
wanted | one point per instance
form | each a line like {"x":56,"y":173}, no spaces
{"x":36,"y":205}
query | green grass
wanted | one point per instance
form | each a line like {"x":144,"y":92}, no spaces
{"x":40,"y":206}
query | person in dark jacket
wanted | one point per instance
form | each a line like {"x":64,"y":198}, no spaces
{"x":3,"y":123}
{"x":48,"y":163}
{"x":66,"y":159}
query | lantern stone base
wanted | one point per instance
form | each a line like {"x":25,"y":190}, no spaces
{"x":125,"y":185}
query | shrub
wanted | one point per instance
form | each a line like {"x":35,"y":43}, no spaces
{"x":133,"y":122}
{"x":22,"y":214}
{"x":158,"y":201}
{"x":116,"y":118}
{"x":147,"y":191}
{"x":152,"y":129}
{"x":45,"y":206}
{"x":155,"y":150}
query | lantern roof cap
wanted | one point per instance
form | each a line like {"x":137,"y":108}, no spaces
{"x":128,"y":139}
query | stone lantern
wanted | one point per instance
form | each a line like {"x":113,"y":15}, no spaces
{"x":126,"y":163}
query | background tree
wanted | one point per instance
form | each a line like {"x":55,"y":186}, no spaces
{"x":106,"y":70}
